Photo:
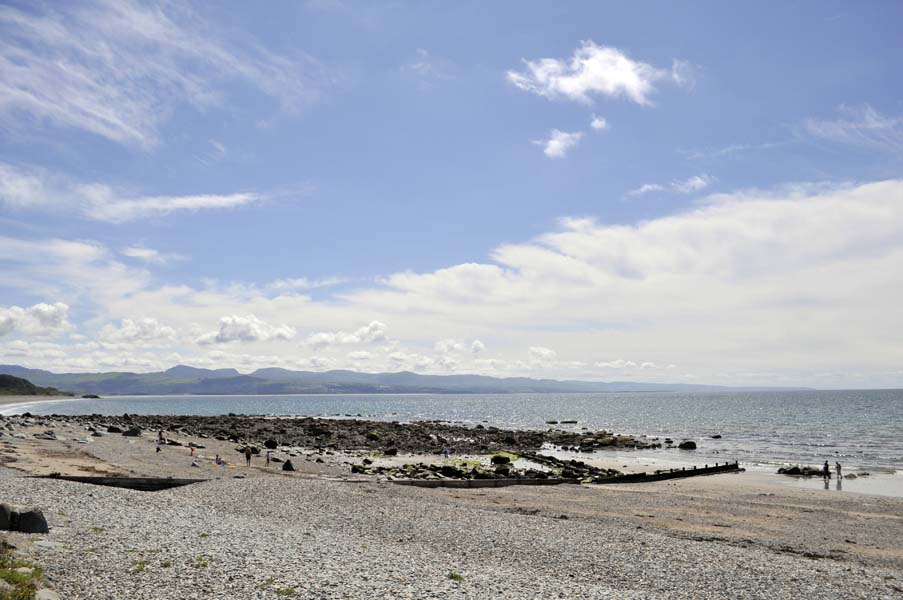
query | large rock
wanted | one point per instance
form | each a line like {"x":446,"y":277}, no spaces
{"x":500,"y":459}
{"x":687,"y":445}
{"x":113,"y":429}
{"x":132,"y":432}
{"x":6,"y":517}
{"x":32,"y":521}
{"x":288,"y":466}
{"x":271,"y":444}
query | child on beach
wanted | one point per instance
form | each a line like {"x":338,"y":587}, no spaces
{"x":837,"y":470}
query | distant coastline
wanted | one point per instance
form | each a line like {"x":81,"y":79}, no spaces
{"x":185,"y":380}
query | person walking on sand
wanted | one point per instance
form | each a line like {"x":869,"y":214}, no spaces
{"x":826,"y":471}
{"x":837,"y":469}
{"x":269,"y":453}
{"x":248,"y":456}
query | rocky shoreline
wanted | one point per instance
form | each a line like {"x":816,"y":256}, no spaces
{"x":350,"y":434}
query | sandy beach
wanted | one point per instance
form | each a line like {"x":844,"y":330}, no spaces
{"x":321,"y":532}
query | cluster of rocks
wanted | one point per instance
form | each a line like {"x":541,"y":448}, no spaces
{"x":431,"y":437}
{"x":22,"y":520}
{"x":502,"y":468}
{"x":807,"y":471}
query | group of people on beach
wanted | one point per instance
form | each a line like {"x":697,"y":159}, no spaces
{"x":826,"y":471}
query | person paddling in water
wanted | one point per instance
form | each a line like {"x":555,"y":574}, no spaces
{"x":826,"y":471}
{"x":837,"y":470}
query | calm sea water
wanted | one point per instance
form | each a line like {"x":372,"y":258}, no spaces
{"x":861,"y":429}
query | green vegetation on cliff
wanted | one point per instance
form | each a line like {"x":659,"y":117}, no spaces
{"x":16,"y":386}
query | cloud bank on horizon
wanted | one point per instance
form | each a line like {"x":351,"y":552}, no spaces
{"x":209,"y":186}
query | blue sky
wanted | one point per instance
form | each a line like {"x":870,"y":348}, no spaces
{"x":670,"y":192}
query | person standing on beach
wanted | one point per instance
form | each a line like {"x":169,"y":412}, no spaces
{"x":837,"y":469}
{"x":248,"y":456}
{"x":269,"y":452}
{"x":826,"y":471}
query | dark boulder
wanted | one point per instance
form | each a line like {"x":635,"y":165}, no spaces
{"x":391,"y":452}
{"x":32,"y":521}
{"x":717,"y":436}
{"x":6,"y":517}
{"x":450,"y":471}
{"x":288,"y":466}
{"x":113,"y":429}
{"x":271,"y":444}
{"x":687,"y":445}
{"x":500,"y":459}
{"x":132,"y":432}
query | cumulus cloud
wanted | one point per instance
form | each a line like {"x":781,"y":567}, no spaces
{"x":246,"y":329}
{"x":37,"y":320}
{"x":559,"y":143}
{"x":118,"y":69}
{"x":477,"y":347}
{"x":617,"y":364}
{"x":592,"y":70}
{"x":137,"y":330}
{"x":32,"y":188}
{"x":373,"y":332}
{"x":696,"y":183}
{"x":598,"y":123}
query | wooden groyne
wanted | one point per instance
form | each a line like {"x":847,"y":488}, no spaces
{"x":659,"y":475}
{"x":143,"y":484}
{"x":662,"y":475}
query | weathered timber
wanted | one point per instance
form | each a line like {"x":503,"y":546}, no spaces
{"x":143,"y":484}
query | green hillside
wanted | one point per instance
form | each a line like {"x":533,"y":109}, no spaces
{"x":16,"y":386}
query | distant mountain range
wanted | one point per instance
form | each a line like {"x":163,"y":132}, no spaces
{"x":182,"y":379}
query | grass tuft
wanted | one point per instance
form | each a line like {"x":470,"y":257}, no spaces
{"x":457,"y":577}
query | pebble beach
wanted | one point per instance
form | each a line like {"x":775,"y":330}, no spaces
{"x":321,"y":532}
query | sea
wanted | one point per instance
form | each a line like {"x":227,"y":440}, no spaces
{"x":862,"y":429}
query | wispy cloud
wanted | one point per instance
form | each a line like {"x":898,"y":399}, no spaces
{"x":730,"y":150}
{"x":117,"y":68}
{"x":691,"y":185}
{"x":149,"y":255}
{"x":862,"y":127}
{"x":594,"y":70}
{"x":32,"y":188}
{"x":559,"y":143}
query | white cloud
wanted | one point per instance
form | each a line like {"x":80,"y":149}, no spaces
{"x":373,"y":332}
{"x":37,"y":320}
{"x":477,"y":347}
{"x":540,"y":353}
{"x":303,"y":283}
{"x":449,"y":346}
{"x":137,"y":330}
{"x":30,"y":188}
{"x":617,"y":364}
{"x":598,"y":123}
{"x":691,"y":185}
{"x":772,"y":287}
{"x":559,"y":143}
{"x":863,"y":127}
{"x":149,"y":255}
{"x":592,"y":70}
{"x":246,"y":329}
{"x":118,"y":69}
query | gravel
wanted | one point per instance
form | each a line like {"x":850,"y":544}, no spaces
{"x":292,"y":537}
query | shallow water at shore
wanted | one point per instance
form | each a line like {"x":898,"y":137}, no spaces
{"x":861,"y":429}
